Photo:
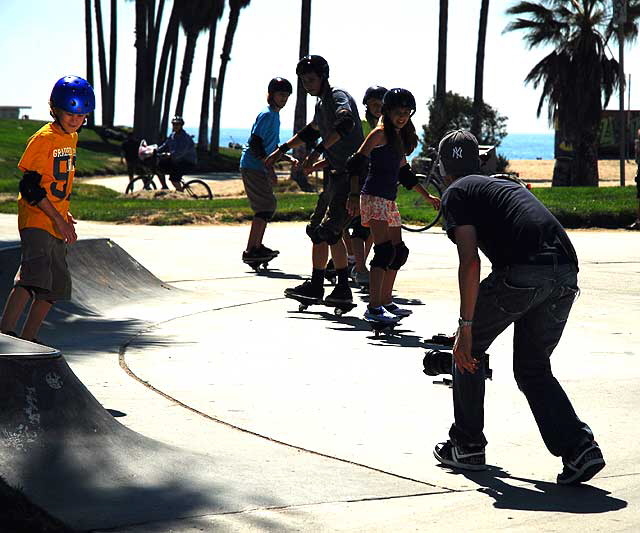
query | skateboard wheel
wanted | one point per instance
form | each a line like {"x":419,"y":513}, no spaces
{"x":302,"y":307}
{"x":338,"y":312}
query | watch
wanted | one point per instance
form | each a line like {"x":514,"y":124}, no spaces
{"x":464,"y":323}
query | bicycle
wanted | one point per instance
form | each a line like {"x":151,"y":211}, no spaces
{"x":434,"y":184}
{"x":195,"y":188}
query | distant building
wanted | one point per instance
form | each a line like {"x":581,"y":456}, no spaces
{"x":12,"y":111}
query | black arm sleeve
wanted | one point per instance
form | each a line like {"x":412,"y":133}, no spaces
{"x":358,"y":165}
{"x":257,"y":146}
{"x":309,"y":135}
{"x":407,"y":177}
{"x":30,"y":187}
{"x":344,"y":124}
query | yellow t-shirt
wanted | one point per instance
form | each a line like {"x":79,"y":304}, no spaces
{"x":51,"y":153}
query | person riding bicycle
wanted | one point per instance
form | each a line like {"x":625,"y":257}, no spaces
{"x":381,"y":161}
{"x":177,"y":155}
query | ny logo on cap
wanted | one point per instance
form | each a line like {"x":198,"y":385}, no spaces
{"x":457,"y":152}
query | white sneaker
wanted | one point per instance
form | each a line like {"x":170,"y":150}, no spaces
{"x":380,"y":314}
{"x":397,"y":311}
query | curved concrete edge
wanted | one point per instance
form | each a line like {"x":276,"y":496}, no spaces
{"x":14,"y":347}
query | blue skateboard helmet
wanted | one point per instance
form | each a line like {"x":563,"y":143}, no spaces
{"x":73,"y":95}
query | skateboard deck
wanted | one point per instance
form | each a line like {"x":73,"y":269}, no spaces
{"x":382,"y":327}
{"x":306,"y":302}
{"x":259,"y":264}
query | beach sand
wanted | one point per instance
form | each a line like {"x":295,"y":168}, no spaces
{"x":540,"y":171}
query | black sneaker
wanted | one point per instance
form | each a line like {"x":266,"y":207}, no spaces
{"x":585,"y":463}
{"x":459,"y":457}
{"x":306,"y":290}
{"x":255,"y":255}
{"x":339,"y":295}
{"x":268,"y":251}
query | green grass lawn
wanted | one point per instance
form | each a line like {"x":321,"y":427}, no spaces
{"x":606,"y":207}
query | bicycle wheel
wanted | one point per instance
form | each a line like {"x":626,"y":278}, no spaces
{"x":141,"y":183}
{"x":198,"y":189}
{"x":421,"y":211}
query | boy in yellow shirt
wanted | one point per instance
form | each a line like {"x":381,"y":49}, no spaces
{"x":46,"y":226}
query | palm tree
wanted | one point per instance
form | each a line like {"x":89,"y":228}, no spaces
{"x":300,"y":115}
{"x":577,"y":78}
{"x":107,"y":82}
{"x":441,"y":79}
{"x":479,"y":83}
{"x":195,"y":17}
{"x":203,"y":133}
{"x":89,"y":51}
{"x":234,"y":14}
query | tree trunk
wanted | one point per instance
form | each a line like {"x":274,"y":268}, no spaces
{"x":476,"y":123}
{"x":170,"y":42}
{"x":113,"y":51}
{"x":300,"y":116}
{"x":203,"y":133}
{"x":234,"y":14}
{"x":102,"y":63}
{"x":441,"y":81}
{"x":185,"y":74}
{"x":167,"y":99}
{"x":152,"y":49}
{"x":91,"y":121}
{"x":140,"y":117}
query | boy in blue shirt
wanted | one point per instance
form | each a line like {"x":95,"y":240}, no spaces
{"x":257,"y":179}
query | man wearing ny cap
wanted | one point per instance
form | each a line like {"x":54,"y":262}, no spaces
{"x":532,"y":285}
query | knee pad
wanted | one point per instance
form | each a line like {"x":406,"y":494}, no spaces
{"x":264,"y":215}
{"x":329,"y":236}
{"x":359,"y":231}
{"x":400,"y":258}
{"x":382,"y":255}
{"x":312,"y":233}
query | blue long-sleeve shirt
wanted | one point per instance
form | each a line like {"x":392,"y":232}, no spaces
{"x":181,"y":147}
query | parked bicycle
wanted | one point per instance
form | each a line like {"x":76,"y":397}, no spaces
{"x":195,"y":188}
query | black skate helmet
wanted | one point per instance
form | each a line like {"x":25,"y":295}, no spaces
{"x":177,"y":120}
{"x":375,"y":91}
{"x":317,"y":64}
{"x":280,"y":85}
{"x":398,"y":98}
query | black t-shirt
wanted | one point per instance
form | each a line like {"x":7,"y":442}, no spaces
{"x":511,"y":224}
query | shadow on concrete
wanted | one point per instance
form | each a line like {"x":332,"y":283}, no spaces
{"x":580,"y":499}
{"x":275,"y":273}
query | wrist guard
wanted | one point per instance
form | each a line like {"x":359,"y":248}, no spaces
{"x":284,"y":148}
{"x":30,"y":187}
{"x":407,"y":177}
{"x":358,"y":165}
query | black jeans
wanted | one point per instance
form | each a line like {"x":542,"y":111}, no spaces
{"x":537,"y":299}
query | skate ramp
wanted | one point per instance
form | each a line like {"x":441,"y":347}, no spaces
{"x":104,"y":276}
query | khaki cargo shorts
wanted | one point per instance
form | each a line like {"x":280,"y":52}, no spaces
{"x":43,"y":265}
{"x":259,"y":190}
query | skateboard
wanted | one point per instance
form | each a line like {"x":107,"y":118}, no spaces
{"x":441,"y":339}
{"x":259,"y":264}
{"x":306,"y":302}
{"x":382,"y":327}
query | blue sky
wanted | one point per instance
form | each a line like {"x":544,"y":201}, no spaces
{"x":367,"y":42}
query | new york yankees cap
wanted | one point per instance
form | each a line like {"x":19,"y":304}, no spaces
{"x":459,"y":153}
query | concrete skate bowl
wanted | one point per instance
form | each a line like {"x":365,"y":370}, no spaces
{"x":109,"y":289}
{"x":72,"y":458}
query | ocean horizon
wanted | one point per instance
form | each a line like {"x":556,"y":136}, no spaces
{"x":513,"y":146}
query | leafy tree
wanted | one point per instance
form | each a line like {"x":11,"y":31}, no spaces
{"x":234,"y":14}
{"x":458,"y":114}
{"x":577,"y":78}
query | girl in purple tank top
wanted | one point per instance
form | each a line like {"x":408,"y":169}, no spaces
{"x":382,"y":157}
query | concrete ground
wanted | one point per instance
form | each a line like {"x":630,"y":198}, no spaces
{"x":288,"y":421}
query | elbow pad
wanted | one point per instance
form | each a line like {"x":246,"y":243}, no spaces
{"x":30,"y":187}
{"x":344,"y":124}
{"x":309,"y":135}
{"x":407,"y":177}
{"x":358,"y":165}
{"x":257,"y":146}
